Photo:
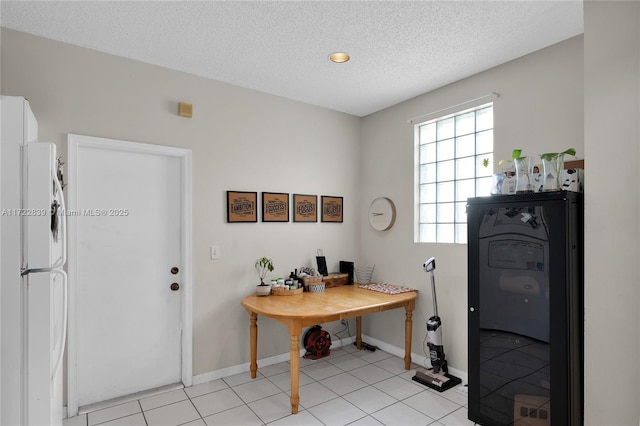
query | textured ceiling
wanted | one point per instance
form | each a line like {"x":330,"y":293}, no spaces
{"x":399,"y":49}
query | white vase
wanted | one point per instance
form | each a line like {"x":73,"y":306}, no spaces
{"x":263,"y":290}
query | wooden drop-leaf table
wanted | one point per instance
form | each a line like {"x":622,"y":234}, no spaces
{"x":309,"y":309}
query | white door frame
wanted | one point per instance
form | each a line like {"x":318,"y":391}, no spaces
{"x":74,"y":142}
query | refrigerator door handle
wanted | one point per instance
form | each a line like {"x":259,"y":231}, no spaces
{"x":63,"y":330}
{"x":63,"y":257}
{"x":62,"y":260}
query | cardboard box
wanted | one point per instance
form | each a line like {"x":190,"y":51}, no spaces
{"x":335,"y":279}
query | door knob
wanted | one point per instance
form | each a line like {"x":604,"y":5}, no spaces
{"x":175,"y":287}
{"x":175,"y":270}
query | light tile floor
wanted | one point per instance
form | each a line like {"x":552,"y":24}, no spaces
{"x":349,"y":387}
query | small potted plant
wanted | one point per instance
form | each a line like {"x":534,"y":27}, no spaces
{"x":263,"y":265}
{"x":553,"y":163}
{"x":524,"y":167}
{"x":498,"y":178}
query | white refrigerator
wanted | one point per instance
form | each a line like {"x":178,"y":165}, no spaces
{"x":33,"y":290}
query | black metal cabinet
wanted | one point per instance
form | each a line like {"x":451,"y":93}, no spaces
{"x":525,"y":289}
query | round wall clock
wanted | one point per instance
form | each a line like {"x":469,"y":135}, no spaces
{"x":382,"y":214}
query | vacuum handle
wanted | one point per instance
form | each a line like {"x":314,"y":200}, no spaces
{"x":430,"y":265}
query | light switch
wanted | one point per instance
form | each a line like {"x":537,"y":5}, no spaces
{"x":215,"y":252}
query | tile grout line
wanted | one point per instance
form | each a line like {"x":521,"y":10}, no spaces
{"x":195,"y":408}
{"x":369,"y":363}
{"x":343,"y":371}
{"x":246,"y":403}
{"x":337,"y":354}
{"x":115,"y":418}
{"x":143,"y":416}
{"x":229,"y":387}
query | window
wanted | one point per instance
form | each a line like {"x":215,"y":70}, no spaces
{"x":451,"y":153}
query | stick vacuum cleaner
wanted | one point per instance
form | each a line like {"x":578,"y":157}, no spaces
{"x":437,"y":377}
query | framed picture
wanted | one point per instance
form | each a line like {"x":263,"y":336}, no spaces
{"x":242,"y":206}
{"x":331,"y":209}
{"x":275,"y":207}
{"x":305,"y":208}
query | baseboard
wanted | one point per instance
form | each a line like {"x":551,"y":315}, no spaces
{"x":416,"y":358}
{"x":420,"y":359}
{"x":263,"y":362}
{"x":240,"y":368}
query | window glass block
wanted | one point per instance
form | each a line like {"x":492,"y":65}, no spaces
{"x":446,"y":149}
{"x":428,"y":233}
{"x":461,"y":233}
{"x":480,"y":168}
{"x":446,"y":128}
{"x":466,"y":168}
{"x":465,"y":189}
{"x":428,"y":213}
{"x":484,"y":142}
{"x":428,"y":133}
{"x":428,"y":153}
{"x":461,"y":212}
{"x":465,"y":123}
{"x":428,"y":193}
{"x":484,"y":119}
{"x":451,"y":169}
{"x":446,"y":233}
{"x":466,"y":145}
{"x":428,"y":173}
{"x":483,"y":186}
{"x":446,"y":170}
{"x":446,"y":212}
{"x":446,"y":192}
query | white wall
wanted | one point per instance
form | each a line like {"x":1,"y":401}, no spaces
{"x":540,"y":109}
{"x":581,"y":93}
{"x":612,"y":237}
{"x":241,"y":140}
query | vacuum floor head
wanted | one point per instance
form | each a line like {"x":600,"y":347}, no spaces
{"x":439,"y":381}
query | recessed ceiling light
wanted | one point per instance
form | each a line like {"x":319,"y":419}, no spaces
{"x":339,"y":57}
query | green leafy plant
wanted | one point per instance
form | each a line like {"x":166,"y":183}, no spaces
{"x":551,"y":156}
{"x":505,"y":164}
{"x":264,"y":265}
{"x":556,"y":161}
{"x":515,"y":154}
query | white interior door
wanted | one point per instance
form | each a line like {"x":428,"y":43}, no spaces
{"x":126,"y":236}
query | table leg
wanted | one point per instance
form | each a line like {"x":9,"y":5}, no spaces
{"x":358,"y":332}
{"x":294,"y":360}
{"x":408,"y":327}
{"x":253,"y":332}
